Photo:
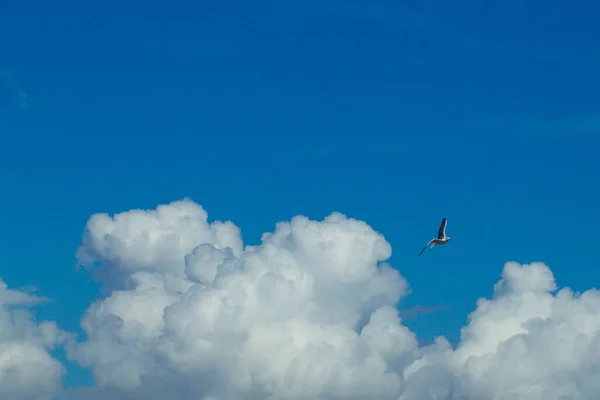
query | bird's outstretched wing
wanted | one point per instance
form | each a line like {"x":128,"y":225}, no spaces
{"x":442,"y":230}
{"x":428,"y":243}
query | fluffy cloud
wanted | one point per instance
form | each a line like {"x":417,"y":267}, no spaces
{"x":27,"y":370}
{"x":310,"y":313}
{"x":525,"y":343}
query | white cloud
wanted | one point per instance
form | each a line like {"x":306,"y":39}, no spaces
{"x":523,"y":344}
{"x":310,"y":313}
{"x":281,"y":319}
{"x":27,"y":370}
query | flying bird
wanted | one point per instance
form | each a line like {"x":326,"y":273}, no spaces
{"x":441,"y":237}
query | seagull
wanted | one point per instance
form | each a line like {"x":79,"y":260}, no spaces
{"x":441,"y":237}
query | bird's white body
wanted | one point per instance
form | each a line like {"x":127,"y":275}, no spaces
{"x":441,"y":237}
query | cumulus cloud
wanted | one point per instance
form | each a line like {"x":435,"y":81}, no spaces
{"x":525,"y":343}
{"x":310,"y":313}
{"x":27,"y":369}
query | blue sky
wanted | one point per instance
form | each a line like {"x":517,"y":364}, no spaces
{"x":396,"y":113}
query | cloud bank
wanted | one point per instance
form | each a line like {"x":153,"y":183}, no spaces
{"x":310,"y":313}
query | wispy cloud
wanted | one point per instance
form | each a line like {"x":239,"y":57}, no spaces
{"x":413,"y":312}
{"x":23,"y":297}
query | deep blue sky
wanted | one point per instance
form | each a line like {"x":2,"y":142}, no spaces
{"x":397,"y":113}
